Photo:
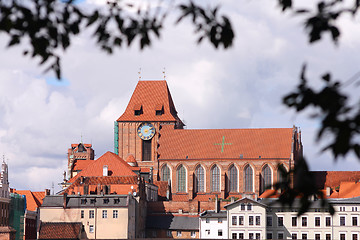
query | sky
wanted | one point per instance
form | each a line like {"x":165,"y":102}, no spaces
{"x":241,"y":87}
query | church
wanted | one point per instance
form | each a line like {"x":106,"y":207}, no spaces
{"x":199,"y":164}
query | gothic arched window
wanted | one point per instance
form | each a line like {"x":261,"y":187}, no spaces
{"x":215,"y":179}
{"x":165,"y":173}
{"x":281,"y":174}
{"x":265,"y":178}
{"x":181,"y":178}
{"x":248,"y":178}
{"x":199,"y":179}
{"x":233,"y":179}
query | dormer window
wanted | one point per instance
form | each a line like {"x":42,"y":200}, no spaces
{"x":159,"y":109}
{"x":138,"y":109}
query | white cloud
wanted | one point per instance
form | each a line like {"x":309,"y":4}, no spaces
{"x":236,"y":88}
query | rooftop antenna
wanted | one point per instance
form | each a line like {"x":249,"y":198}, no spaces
{"x":164,"y":73}
{"x":81,"y":138}
{"x":52,"y":187}
{"x":139,"y":72}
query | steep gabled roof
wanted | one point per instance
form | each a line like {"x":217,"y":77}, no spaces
{"x":347,"y":190}
{"x":116,"y":167}
{"x":33,"y":199}
{"x":60,"y":230}
{"x":273,"y":143}
{"x":333,"y":179}
{"x":150,"y":96}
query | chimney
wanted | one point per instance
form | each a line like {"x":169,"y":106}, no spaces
{"x":47,"y":192}
{"x":64,"y":200}
{"x":216,"y":203}
{"x":105,"y":170}
{"x":328,"y":191}
{"x":232,"y":199}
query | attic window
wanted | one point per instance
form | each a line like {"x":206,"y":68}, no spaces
{"x":159,"y":109}
{"x":138,"y":109}
{"x":83,"y":201}
{"x":116,"y":201}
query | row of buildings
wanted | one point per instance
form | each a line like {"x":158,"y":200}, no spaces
{"x":165,"y":181}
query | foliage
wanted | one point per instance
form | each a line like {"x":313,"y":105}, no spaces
{"x":50,"y":26}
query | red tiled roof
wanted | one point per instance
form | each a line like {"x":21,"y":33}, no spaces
{"x":131,"y":159}
{"x":81,"y":164}
{"x":347,"y":190}
{"x":163,"y":188}
{"x":271,"y":143}
{"x":60,"y":230}
{"x":118,"y":184}
{"x":324,"y":179}
{"x":77,"y":144}
{"x":180,"y":198}
{"x":33,"y":201}
{"x":150,"y":95}
{"x":116,"y":167}
{"x":269,"y":193}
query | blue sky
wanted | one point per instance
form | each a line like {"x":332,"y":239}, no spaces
{"x":237,"y":88}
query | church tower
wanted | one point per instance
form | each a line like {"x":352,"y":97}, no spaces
{"x":136,"y":131}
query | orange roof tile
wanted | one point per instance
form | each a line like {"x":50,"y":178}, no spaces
{"x":60,"y":230}
{"x":116,"y":167}
{"x":274,"y":143}
{"x":131,"y":159}
{"x":163,"y":188}
{"x":269,"y":193}
{"x":333,"y":179}
{"x":347,"y":190}
{"x":32,"y":202}
{"x":180,"y":198}
{"x":81,"y":164}
{"x":150,"y":95}
{"x":39,"y":196}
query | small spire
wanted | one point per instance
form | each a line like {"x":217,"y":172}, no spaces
{"x":164,"y":73}
{"x":139,"y":72}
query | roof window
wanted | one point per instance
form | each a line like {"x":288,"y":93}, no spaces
{"x":159,"y":109}
{"x":138,"y":110}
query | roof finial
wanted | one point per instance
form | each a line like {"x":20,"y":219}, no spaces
{"x":81,"y":138}
{"x":139,"y":72}
{"x":164,"y":73}
{"x":3,"y":158}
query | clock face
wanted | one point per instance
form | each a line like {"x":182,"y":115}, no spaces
{"x":146,"y":131}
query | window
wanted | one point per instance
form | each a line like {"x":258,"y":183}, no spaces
{"x":82,"y":213}
{"x":269,"y":221}
{"x":207,"y":220}
{"x":317,"y":221}
{"x":165,"y":173}
{"x":317,"y":236}
{"x":106,"y":200}
{"x":281,"y":177}
{"x":251,"y":235}
{"x":304,"y":236}
{"x":257,"y":220}
{"x":354,"y":221}
{"x":215,"y":179}
{"x":328,"y":221}
{"x":220,"y":220}
{"x":83,"y":201}
{"x":104,"y":213}
{"x":91,"y":213}
{"x":168,"y":233}
{"x":178,"y":234}
{"x":115,"y":213}
{"x":265,"y":178}
{"x":294,"y":221}
{"x":234,"y":235}
{"x":241,"y":220}
{"x":207,"y":231}
{"x":181,"y":179}
{"x":304,"y":221}
{"x":91,"y":228}
{"x":269,"y":235}
{"x":257,"y":236}
{"x":354,"y":236}
{"x":242,"y":206}
{"x":354,"y":209}
{"x":193,"y":234}
{"x":294,"y":236}
{"x":251,"y":220}
{"x":248,"y":179}
{"x":342,"y":236}
{"x":249,"y":207}
{"x":233,"y":220}
{"x":233,"y":179}
{"x":199,"y":179}
{"x":342,"y":209}
{"x":93,"y":201}
{"x":328,"y":236}
{"x":116,"y":201}
{"x":146,"y":150}
{"x":241,"y":235}
{"x":342,"y":220}
{"x":280,"y":221}
{"x":280,"y":235}
{"x":220,"y":232}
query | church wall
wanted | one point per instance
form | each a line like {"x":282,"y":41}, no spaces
{"x":193,"y":207}
{"x":190,"y":165}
